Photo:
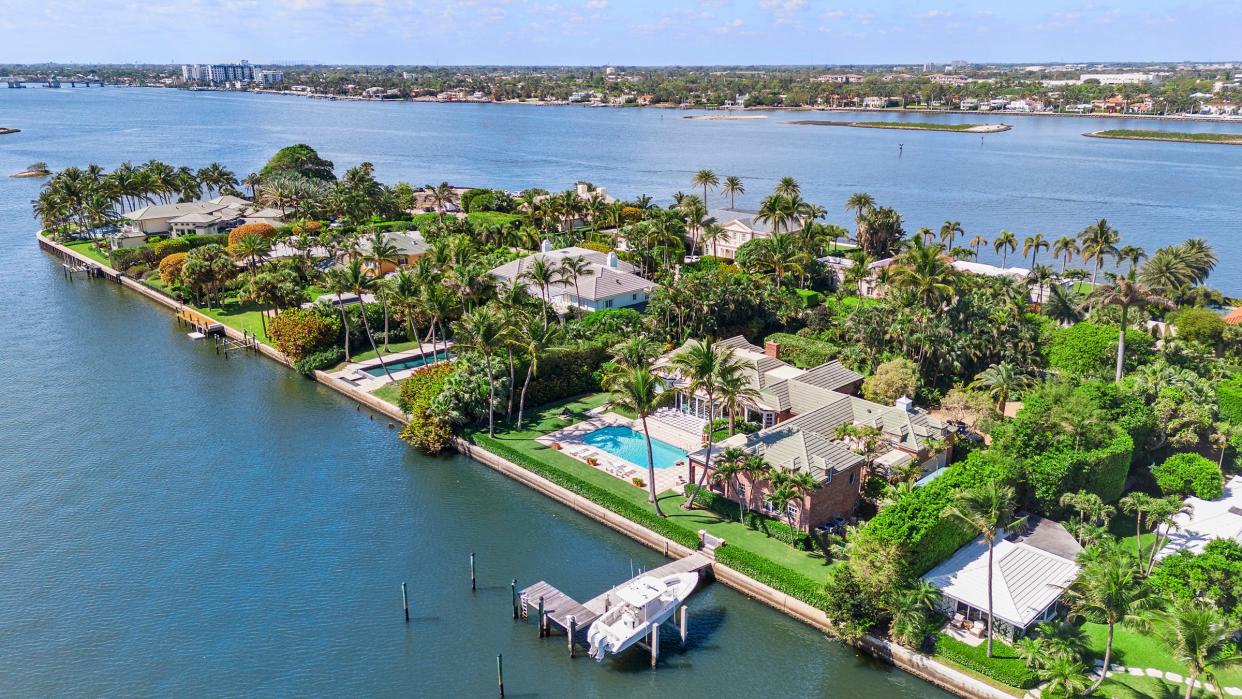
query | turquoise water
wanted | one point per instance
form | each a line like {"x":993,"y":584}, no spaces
{"x":629,"y":444}
{"x":410,"y":363}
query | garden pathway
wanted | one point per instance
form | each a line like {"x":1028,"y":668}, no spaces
{"x":1148,"y":672}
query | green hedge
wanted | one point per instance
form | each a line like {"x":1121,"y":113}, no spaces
{"x":804,"y":352}
{"x":319,"y":361}
{"x":564,"y":372}
{"x":809,"y":298}
{"x":1229,"y":399}
{"x":1004,"y":666}
{"x":631,"y":511}
{"x":1101,"y":471}
{"x":773,"y":575}
{"x":1090,"y":350}
{"x":1189,"y":474}
{"x":731,"y":511}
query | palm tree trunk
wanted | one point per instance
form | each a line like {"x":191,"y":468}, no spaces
{"x":1108,"y":652}
{"x":509,"y":411}
{"x":1121,"y":343}
{"x":344,"y":323}
{"x":651,"y":471}
{"x":711,"y":409}
{"x":366,"y":326}
{"x":522,"y":400}
{"x":1138,"y":535}
{"x":491,"y":395}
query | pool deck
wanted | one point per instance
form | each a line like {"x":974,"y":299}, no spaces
{"x":355,"y":373}
{"x":570,"y":441}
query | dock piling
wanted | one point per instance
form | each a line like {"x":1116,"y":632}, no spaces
{"x":472,"y":584}
{"x":405,"y":603}
{"x":513,"y":600}
{"x":683,"y":613}
{"x":500,"y":674}
{"x":573,"y":628}
{"x":655,"y":645}
{"x":542,"y":619}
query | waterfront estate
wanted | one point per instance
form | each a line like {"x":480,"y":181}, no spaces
{"x":994,"y":468}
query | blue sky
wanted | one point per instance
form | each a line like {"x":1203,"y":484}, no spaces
{"x":627,"y":32}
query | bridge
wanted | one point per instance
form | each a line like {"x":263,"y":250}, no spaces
{"x":14,"y":82}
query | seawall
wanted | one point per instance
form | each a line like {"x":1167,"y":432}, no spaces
{"x":917,"y":664}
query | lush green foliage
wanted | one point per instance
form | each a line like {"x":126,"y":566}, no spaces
{"x":804,"y":352}
{"x":1090,"y":350}
{"x":773,"y":575}
{"x":1198,"y":325}
{"x":150,"y":254}
{"x":321,"y":360}
{"x":851,"y":607}
{"x":299,"y":333}
{"x":1004,"y":666}
{"x":1102,"y":471}
{"x":1229,"y":399}
{"x":892,"y":380}
{"x":1215,"y":574}
{"x":1189,"y":474}
{"x":298,"y":159}
{"x":565,"y":372}
{"x":426,"y":430}
{"x":914,"y":523}
{"x":731,"y":511}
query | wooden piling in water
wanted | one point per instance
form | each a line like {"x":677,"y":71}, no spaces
{"x":472,"y":584}
{"x":405,"y":603}
{"x":542,"y":620}
{"x":655,"y":645}
{"x":684,"y":613}
{"x":573,"y":628}
{"x":500,"y":674}
{"x":513,"y":600}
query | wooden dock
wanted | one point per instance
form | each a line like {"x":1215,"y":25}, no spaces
{"x":555,"y":607}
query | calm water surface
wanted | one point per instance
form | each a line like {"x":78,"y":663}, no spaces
{"x":175,"y":524}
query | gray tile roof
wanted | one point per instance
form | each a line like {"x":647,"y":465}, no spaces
{"x":747,"y":218}
{"x":605,"y":282}
{"x":832,"y":376}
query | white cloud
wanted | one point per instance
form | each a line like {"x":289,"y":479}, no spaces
{"x":596,"y":5}
{"x":729,"y":26}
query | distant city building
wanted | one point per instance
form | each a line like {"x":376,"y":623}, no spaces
{"x":218,"y":73}
{"x":270,"y":77}
{"x":1118,"y":78}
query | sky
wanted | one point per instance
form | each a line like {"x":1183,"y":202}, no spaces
{"x":617,"y":32}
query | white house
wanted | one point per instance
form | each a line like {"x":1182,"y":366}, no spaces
{"x":741,"y":226}
{"x":610,"y":283}
{"x":1207,"y":520}
{"x":1030,"y":571}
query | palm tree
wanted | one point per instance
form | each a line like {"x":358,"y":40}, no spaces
{"x":252,"y":181}
{"x":729,"y":465}
{"x":977,"y":242}
{"x":570,"y":271}
{"x":1001,"y":381}
{"x":381,"y":251}
{"x":1138,"y":504}
{"x":481,"y":330}
{"x":541,"y":272}
{"x":734,"y":386}
{"x":1098,"y":241}
{"x":1109,"y":590}
{"x":1126,"y":293}
{"x":732,"y":187}
{"x":1197,"y":635}
{"x":1163,"y":517}
{"x":1032,"y":245}
{"x":702,"y":363}
{"x":359,"y":281}
{"x":1006,"y":242}
{"x":639,"y":390}
{"x":949,"y":231}
{"x":251,"y":247}
{"x":705,"y":179}
{"x":712,"y":233}
{"x":1064,"y":677}
{"x":911,"y":606}
{"x":338,"y":284}
{"x":782,"y":256}
{"x":534,"y":340}
{"x":988,"y":509}
{"x":756,"y":469}
{"x":1132,"y":254}
{"x":787,"y":187}
{"x":860,"y":203}
{"x":1065,"y":248}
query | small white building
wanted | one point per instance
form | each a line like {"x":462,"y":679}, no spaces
{"x":1208,"y":519}
{"x":741,"y":226}
{"x":611,"y":283}
{"x":1030,"y":572}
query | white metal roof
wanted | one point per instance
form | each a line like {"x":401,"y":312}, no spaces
{"x":1209,"y":519}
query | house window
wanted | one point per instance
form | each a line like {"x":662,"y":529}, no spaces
{"x":634,"y":297}
{"x":791,"y":510}
{"x":769,"y":418}
{"x":608,"y":303}
{"x":852,"y":478}
{"x":741,"y":491}
{"x":402,"y":261}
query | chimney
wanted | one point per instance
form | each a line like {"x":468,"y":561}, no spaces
{"x":582,"y":190}
{"x":612,"y":260}
{"x":545,"y":246}
{"x":905,"y":404}
{"x":772,"y":349}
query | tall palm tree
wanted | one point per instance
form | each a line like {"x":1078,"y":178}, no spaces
{"x":1109,"y":590}
{"x":949,"y":231}
{"x":541,"y":272}
{"x":382,"y":251}
{"x":1197,"y":635}
{"x":734,"y":386}
{"x":712,"y":233}
{"x":481,"y":331}
{"x":977,"y":242}
{"x":701,"y":363}
{"x":359,"y":281}
{"x":570,"y":271}
{"x":756,"y":469}
{"x":1139,"y":504}
{"x":782,"y":256}
{"x":1007,"y":243}
{"x":989,"y":510}
{"x":252,"y":248}
{"x":1125,"y":293}
{"x":252,"y":181}
{"x":1096,"y":242}
{"x":534,"y":340}
{"x":787,"y":187}
{"x":1132,"y":254}
{"x":732,"y":187}
{"x":1065,"y":248}
{"x":639,"y":390}
{"x":1032,"y":245}
{"x":339,"y":284}
{"x":705,"y":179}
{"x":1001,"y":381}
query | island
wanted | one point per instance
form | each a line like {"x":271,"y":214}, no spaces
{"x":909,"y":125}
{"x":1176,"y":136}
{"x":38,"y":169}
{"x":726,"y":117}
{"x":4,"y":131}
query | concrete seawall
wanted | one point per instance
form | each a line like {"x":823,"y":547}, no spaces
{"x":916,"y":664}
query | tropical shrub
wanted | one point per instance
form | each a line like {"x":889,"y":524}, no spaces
{"x":318,"y":361}
{"x":1215,"y":574}
{"x":565,"y":372}
{"x":804,"y":352}
{"x":164,"y":248}
{"x":298,"y":159}
{"x":1087,"y":349}
{"x":170,"y":268}
{"x":613,"y":321}
{"x":1198,"y":325}
{"x":851,"y":607}
{"x":298,"y":333}
{"x":1229,"y":399}
{"x":891,"y":380}
{"x":596,"y":246}
{"x":426,"y":430}
{"x":1004,"y":666}
{"x":260,"y":229}
{"x":809,"y":298}
{"x":1189,"y":474}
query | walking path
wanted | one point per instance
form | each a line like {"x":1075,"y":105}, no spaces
{"x":1148,"y":672}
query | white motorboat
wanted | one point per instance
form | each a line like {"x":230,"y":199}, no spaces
{"x":636,"y":607}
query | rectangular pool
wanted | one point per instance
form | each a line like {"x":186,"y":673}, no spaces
{"x":407,"y":363}
{"x":631,"y":445}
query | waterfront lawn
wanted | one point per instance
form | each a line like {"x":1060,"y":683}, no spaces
{"x":1134,"y":649}
{"x":88,"y":249}
{"x":235,"y":314}
{"x":545,"y":419}
{"x":389,"y":392}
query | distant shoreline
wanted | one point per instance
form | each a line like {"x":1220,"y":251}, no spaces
{"x":4,"y":131}
{"x":1171,"y":136}
{"x":909,"y":126}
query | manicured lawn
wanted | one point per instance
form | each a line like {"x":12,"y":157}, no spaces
{"x":389,"y":392}
{"x":547,"y":419}
{"x":1131,"y":687}
{"x":236,"y":315}
{"x":87,"y":248}
{"x":1122,"y":527}
{"x":1134,"y":649}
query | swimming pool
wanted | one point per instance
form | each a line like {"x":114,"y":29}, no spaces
{"x":407,"y":363}
{"x":631,"y":445}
